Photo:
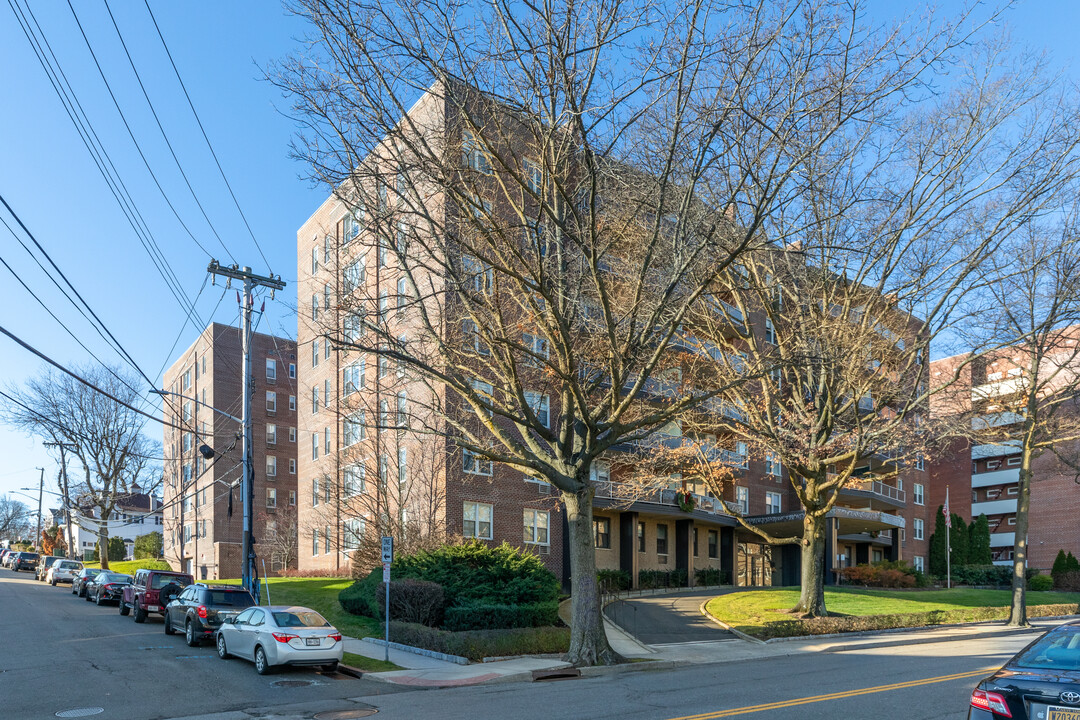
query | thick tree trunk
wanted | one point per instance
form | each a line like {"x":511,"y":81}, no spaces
{"x":588,"y":641}
{"x":812,"y":597}
{"x":1018,"y":612}
{"x":103,"y":545}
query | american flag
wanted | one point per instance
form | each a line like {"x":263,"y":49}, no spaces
{"x":945,"y":509}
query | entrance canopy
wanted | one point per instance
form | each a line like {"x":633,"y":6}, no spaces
{"x":850,"y":522}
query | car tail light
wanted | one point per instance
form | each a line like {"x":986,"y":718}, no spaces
{"x":284,"y":637}
{"x":336,"y":637}
{"x":151,"y":596}
{"x":202,"y":611}
{"x":992,"y":701}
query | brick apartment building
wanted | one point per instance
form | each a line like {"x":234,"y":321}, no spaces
{"x":354,"y":465}
{"x":203,"y":513}
{"x":983,"y":479}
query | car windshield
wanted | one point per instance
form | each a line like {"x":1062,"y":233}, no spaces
{"x":161,"y":581}
{"x":30,"y":556}
{"x":230,"y":598}
{"x":114,"y":577}
{"x":1056,"y":650}
{"x":300,"y":619}
{"x":68,"y":565}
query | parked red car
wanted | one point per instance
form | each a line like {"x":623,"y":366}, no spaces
{"x":151,"y":591}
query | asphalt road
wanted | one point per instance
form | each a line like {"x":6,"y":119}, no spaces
{"x":662,"y":619}
{"x":60,"y":653}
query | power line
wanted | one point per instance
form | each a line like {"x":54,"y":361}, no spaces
{"x":205,"y":136}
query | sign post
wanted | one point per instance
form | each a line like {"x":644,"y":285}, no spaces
{"x":387,"y":558}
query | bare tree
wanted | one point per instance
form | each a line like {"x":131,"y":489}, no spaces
{"x":280,"y":537}
{"x":104,"y":437}
{"x":14,"y":519}
{"x":558,"y":188}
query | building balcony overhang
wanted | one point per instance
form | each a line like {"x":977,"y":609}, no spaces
{"x":876,"y":494}
{"x":851,"y":522}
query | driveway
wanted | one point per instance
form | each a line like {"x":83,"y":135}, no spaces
{"x":667,"y":619}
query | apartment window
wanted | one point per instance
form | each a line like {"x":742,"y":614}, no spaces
{"x":271,"y":466}
{"x":714,"y":549}
{"x":326,"y":540}
{"x":271,"y":497}
{"x":189,"y":411}
{"x":314,"y":399}
{"x":352,"y":327}
{"x":326,"y":296}
{"x":315,"y":541}
{"x":695,"y":542}
{"x":384,"y":414}
{"x":473,"y":154}
{"x":271,"y":401}
{"x":472,"y":338}
{"x":602,"y":532}
{"x":355,"y":273}
{"x":485,"y":391}
{"x":478,"y":275}
{"x":476,"y":521}
{"x":919,"y":462}
{"x":743,"y":451}
{"x":917,"y":491}
{"x":314,"y":260}
{"x":474,"y":464}
{"x":292,"y":403}
{"x":402,"y":295}
{"x":292,"y":466}
{"x":992,"y":464}
{"x":326,"y":350}
{"x":383,"y":252}
{"x":770,"y":332}
{"x":203,"y":364}
{"x":661,"y":539}
{"x":271,"y":370}
{"x":353,"y":479}
{"x":536,"y":526}
{"x":292,"y":434}
{"x":641,"y":537}
{"x":742,"y":499}
{"x":315,"y":446}
{"x":326,"y":393}
{"x":1011,"y":521}
{"x":384,"y":471}
{"x":271,"y":434}
{"x":326,"y":441}
{"x":917,"y":524}
{"x":772,"y":503}
{"x":402,"y":411}
{"x":354,"y":219}
{"x":540,"y":406}
{"x":187,"y":380}
{"x":772,"y":464}
{"x":537,"y":348}
{"x":315,"y":492}
{"x":353,"y":377}
{"x":352,"y":530}
{"x":534,"y":176}
{"x":918,"y":563}
{"x":1013,"y":461}
{"x":600,"y":471}
{"x":402,"y":467}
{"x":189,"y":441}
{"x":292,"y":371}
{"x":400,"y":238}
{"x":402,"y":340}
{"x":314,"y":307}
{"x":384,"y":306}
{"x":354,"y":428}
{"x":777,"y":377}
{"x":384,"y":366}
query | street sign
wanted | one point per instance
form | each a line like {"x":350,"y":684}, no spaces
{"x":387,"y":558}
{"x":387,"y":550}
{"x":386,"y":572}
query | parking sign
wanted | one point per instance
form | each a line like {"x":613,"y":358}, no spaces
{"x":387,"y":550}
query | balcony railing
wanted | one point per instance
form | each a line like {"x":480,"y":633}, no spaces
{"x":613,"y":490}
{"x":876,"y":487}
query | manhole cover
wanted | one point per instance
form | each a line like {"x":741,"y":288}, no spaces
{"x":345,"y":714}
{"x":292,"y":683}
{"x":80,"y":712}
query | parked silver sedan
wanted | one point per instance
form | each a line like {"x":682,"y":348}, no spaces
{"x":63,"y":571}
{"x":280,"y":635}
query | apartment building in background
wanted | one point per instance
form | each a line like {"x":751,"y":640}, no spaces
{"x":203,"y":504}
{"x":357,"y":462}
{"x":984,"y":478}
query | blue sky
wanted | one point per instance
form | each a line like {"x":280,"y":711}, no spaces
{"x":50,"y":180}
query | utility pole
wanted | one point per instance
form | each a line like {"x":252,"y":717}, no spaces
{"x":251,"y":281}
{"x":41,"y":492}
{"x":67,"y":499}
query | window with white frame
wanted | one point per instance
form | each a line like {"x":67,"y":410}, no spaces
{"x":352,"y":327}
{"x":917,"y":492}
{"x":271,"y":401}
{"x":315,"y":541}
{"x":742,"y":499}
{"x":773,"y":503}
{"x":536,"y":526}
{"x":777,"y":377}
{"x":292,"y":371}
{"x":327,"y":391}
{"x":478,"y":275}
{"x":314,"y":353}
{"x":314,"y":399}
{"x":402,"y":410}
{"x":917,"y":524}
{"x":354,"y":428}
{"x":743,"y":451}
{"x":384,"y":414}
{"x":353,"y":379}
{"x":352,"y":531}
{"x":600,"y":471}
{"x":537,"y":347}
{"x":534,"y":175}
{"x":770,"y":332}
{"x":402,"y":343}
{"x":354,"y":220}
{"x":474,"y":464}
{"x":314,"y":446}
{"x":327,"y":445}
{"x":292,"y":466}
{"x":919,"y":563}
{"x":384,"y":305}
{"x":540,"y":405}
{"x":402,"y":295}
{"x":271,"y":497}
{"x":772,"y":464}
{"x":271,"y":434}
{"x":292,"y":402}
{"x":473,"y":154}
{"x":315,"y":497}
{"x":1013,"y":461}
{"x":920,"y":464}
{"x":292,"y":434}
{"x":384,"y":471}
{"x":327,"y":347}
{"x":271,"y":370}
{"x":271,"y":466}
{"x":355,"y":273}
{"x":353,"y":479}
{"x":473,"y":341}
{"x":314,"y":307}
{"x":476,"y":520}
{"x":402,"y":467}
{"x":485,"y":391}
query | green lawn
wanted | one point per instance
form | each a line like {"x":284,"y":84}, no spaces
{"x":368,"y":664}
{"x":318,"y":594}
{"x":749,"y":611}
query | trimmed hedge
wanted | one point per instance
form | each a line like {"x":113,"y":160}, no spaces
{"x":661,"y":578}
{"x":856,"y":623}
{"x":479,"y":644}
{"x":986,"y":575}
{"x":1068,"y":581}
{"x":874,"y":576}
{"x":1040,"y":583}
{"x":486,"y":616}
{"x":613,"y":580}
{"x":711,"y":576}
{"x":413,"y":601}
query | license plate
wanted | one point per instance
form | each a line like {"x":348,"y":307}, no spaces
{"x":316,"y":641}
{"x":1062,"y":713}
{"x":155,"y":608}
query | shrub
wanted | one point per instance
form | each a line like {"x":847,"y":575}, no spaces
{"x":481,"y":616}
{"x":1061,"y":564}
{"x":357,"y":600}
{"x":413,"y":601}
{"x":710,"y":576}
{"x":884,"y":575}
{"x":1041,"y":582}
{"x":1068,"y":581}
{"x":661,"y":578}
{"x":479,"y":644}
{"x":613,"y":580}
{"x":318,"y":573}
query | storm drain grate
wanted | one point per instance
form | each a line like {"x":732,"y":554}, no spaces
{"x":80,"y":712}
{"x":346,"y":714}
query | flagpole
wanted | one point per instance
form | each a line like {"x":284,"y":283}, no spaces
{"x":948,"y":542}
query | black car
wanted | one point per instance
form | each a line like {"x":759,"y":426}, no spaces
{"x":108,"y":587}
{"x":25,"y":561}
{"x":78,"y":585}
{"x":201,"y":609}
{"x":1041,"y":682}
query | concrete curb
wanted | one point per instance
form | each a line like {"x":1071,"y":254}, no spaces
{"x":418,"y":651}
{"x":737,"y":633}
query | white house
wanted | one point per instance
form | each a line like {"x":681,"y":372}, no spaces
{"x":134,"y":515}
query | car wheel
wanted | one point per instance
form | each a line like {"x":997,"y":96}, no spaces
{"x":332,"y":667}
{"x":86,"y":597}
{"x":140,"y":614}
{"x":168,"y":624}
{"x":189,"y":634}
{"x":261,"y":665}
{"x":124,"y":609}
{"x":97,"y":601}
{"x":222,"y":651}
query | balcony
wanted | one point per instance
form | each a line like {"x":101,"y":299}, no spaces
{"x":1010,"y":476}
{"x":1002,"y":539}
{"x":980,"y":452}
{"x":629,"y":495}
{"x":993,"y":507}
{"x":876,"y":493}
{"x":998,"y":388}
{"x":995,"y":420}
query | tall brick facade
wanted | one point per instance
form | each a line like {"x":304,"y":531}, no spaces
{"x":203,"y":513}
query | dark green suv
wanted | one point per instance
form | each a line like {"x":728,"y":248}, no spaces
{"x":201,"y":609}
